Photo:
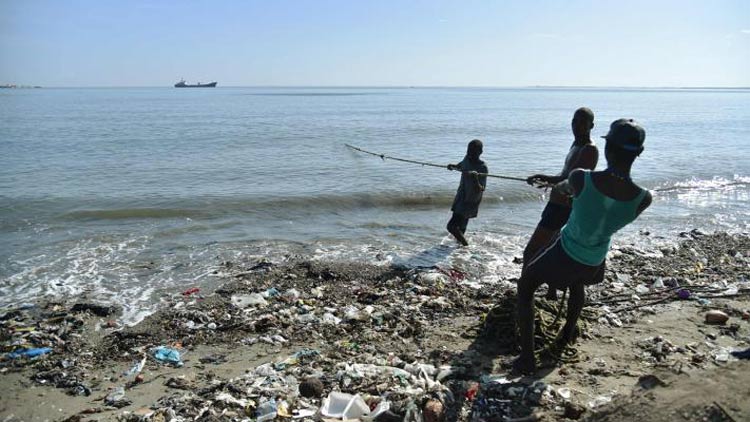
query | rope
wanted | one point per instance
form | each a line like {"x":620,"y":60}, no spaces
{"x":520,"y":179}
{"x":500,"y":326}
{"x":424,"y":163}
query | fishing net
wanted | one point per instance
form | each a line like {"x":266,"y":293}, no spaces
{"x":549,"y":316}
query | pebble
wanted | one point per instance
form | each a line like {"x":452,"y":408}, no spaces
{"x":433,"y":411}
{"x":716,"y":317}
{"x":311,"y":387}
{"x":573,"y":410}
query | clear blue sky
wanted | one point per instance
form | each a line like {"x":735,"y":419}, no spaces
{"x":378,"y":42}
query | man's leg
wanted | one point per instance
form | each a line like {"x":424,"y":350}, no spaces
{"x":553,"y":219}
{"x":539,"y":240}
{"x":454,"y":228}
{"x":569,"y":332}
{"x":542,"y":237}
{"x":463,"y":224}
{"x":526,"y":288}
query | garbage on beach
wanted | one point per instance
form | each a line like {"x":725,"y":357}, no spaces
{"x":641,"y":289}
{"x":29,"y":353}
{"x":364,"y":344}
{"x":95,"y":309}
{"x":599,"y":401}
{"x":117,"y":398}
{"x":266,"y":411}
{"x":658,"y":284}
{"x":723,"y":354}
{"x":344,"y":406}
{"x":191,"y":291}
{"x":742,"y":354}
{"x":167,"y":355}
{"x":294,"y":359}
{"x":243,"y":301}
{"x":683,"y":294}
{"x":137,"y":368}
{"x":271,"y":292}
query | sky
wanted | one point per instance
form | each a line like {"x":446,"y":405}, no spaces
{"x":685,"y":43}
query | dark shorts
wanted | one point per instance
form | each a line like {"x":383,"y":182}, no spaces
{"x":554,"y":267}
{"x":459,"y":221}
{"x":554,"y":216}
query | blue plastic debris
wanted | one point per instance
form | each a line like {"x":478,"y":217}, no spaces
{"x":167,"y":355}
{"x":29,"y":353}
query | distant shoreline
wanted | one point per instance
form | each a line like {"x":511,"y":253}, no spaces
{"x":528,"y":87}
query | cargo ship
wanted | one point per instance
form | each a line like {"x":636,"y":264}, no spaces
{"x":182,"y":84}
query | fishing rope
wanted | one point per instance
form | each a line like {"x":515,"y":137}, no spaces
{"x":520,"y":179}
{"x":500,"y":325}
{"x":424,"y":163}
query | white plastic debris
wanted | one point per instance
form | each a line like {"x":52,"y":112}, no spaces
{"x":433,"y":278}
{"x":599,"y":401}
{"x":329,"y":318}
{"x":344,"y":406}
{"x":227,"y":398}
{"x":291,"y":294}
{"x":243,"y":301}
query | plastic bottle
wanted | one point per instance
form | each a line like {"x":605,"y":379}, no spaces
{"x":266,"y":411}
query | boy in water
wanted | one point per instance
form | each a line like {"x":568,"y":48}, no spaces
{"x":469,"y":194}
{"x":603,"y":203}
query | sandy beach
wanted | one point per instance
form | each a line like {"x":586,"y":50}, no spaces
{"x":418,"y":341}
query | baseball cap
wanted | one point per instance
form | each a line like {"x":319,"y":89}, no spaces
{"x":626,"y":134}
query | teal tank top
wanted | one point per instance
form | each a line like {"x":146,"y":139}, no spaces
{"x":594,"y":219}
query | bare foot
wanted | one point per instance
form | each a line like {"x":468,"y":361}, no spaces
{"x":566,"y":336}
{"x":523,"y":366}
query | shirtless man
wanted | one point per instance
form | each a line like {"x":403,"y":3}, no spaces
{"x":603,"y":203}
{"x":582,"y":154}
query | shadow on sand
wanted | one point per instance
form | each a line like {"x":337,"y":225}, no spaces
{"x":482,"y":379}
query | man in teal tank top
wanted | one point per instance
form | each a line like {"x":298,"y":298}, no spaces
{"x":603,"y":203}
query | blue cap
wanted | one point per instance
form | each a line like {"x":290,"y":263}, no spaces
{"x":626,"y":134}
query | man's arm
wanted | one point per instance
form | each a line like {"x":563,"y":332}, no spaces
{"x":587,"y":159}
{"x":481,"y":180}
{"x":455,"y":166}
{"x":574,"y":185}
{"x":477,"y":180}
{"x":544,"y":180}
{"x":644,"y":204}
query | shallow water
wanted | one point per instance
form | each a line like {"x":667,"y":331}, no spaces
{"x":129,"y":194}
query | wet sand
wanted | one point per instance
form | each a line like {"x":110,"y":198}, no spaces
{"x":420,"y":337}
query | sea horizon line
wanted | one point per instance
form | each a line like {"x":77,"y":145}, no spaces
{"x":499,"y":87}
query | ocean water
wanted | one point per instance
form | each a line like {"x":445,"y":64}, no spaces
{"x":128,"y":195}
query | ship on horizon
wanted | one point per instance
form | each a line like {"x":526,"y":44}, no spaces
{"x":182,"y":84}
